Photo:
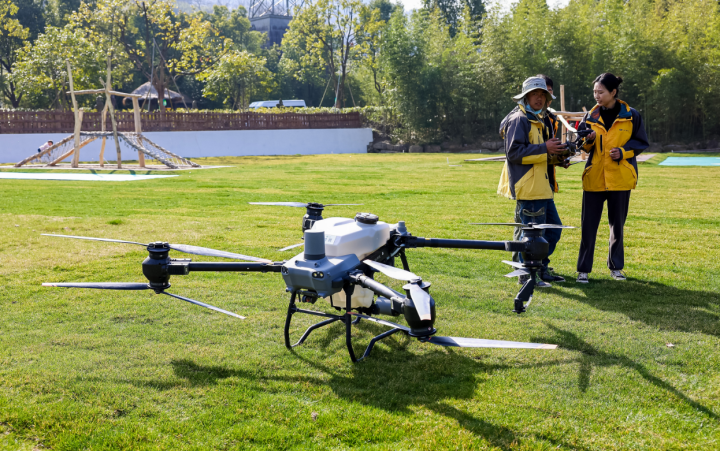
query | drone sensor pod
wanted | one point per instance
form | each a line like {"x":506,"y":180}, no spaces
{"x":314,"y":245}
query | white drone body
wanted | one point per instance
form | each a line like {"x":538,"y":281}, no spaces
{"x":346,"y":236}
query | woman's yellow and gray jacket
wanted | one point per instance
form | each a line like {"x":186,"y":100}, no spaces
{"x":525,"y":174}
{"x":601,"y":172}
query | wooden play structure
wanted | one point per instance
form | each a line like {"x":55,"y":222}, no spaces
{"x":72,"y":144}
{"x":565,"y":117}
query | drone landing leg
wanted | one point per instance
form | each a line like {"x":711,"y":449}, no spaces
{"x":347,"y":319}
{"x":403,"y":259}
{"x":291,"y":309}
{"x":376,"y":339}
{"x":313,"y":327}
{"x":524,"y":297}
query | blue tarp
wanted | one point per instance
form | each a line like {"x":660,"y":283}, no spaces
{"x":691,"y":161}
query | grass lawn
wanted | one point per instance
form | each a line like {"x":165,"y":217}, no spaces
{"x":86,"y":369}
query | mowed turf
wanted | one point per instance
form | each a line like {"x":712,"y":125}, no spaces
{"x":637,"y":365}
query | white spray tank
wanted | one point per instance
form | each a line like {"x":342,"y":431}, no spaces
{"x":361,"y":236}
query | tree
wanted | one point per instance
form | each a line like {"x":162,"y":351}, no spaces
{"x":236,"y":77}
{"x":41,"y":71}
{"x":159,"y":42}
{"x":12,"y":34}
{"x":328,"y":36}
{"x":452,"y":11}
{"x":234,"y":25}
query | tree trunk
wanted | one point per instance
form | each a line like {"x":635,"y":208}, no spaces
{"x":160,"y":88}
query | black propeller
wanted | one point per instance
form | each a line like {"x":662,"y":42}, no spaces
{"x":134,"y":287}
{"x":298,"y":204}
{"x":532,"y":225}
{"x":419,"y":296}
{"x":186,"y":248}
{"x":291,"y":247}
{"x":461,"y":342}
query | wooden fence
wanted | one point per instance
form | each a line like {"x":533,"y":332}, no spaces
{"x":64,"y":122}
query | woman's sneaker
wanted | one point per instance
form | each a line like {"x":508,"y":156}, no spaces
{"x":617,"y":274}
{"x":582,"y":277}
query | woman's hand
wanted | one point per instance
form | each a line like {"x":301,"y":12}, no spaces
{"x":616,"y":154}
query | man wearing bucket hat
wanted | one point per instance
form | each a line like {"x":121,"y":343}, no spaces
{"x":530,"y":148}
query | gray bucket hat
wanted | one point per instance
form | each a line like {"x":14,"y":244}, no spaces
{"x":532,"y":84}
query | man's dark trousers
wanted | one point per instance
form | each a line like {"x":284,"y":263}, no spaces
{"x":540,"y":212}
{"x":592,"y":209}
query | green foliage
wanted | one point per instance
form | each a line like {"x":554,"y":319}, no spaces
{"x":234,"y":25}
{"x":329,"y":36}
{"x":41,"y":70}
{"x":444,"y":86}
{"x":236,"y":77}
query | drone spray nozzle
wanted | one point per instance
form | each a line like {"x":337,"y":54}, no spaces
{"x":314,"y":245}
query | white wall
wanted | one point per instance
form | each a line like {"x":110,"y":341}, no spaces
{"x":16,"y":147}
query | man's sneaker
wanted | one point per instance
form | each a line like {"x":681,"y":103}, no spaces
{"x":548,"y":276}
{"x":582,"y":277}
{"x":542,"y":284}
{"x":538,"y":282}
{"x":617,"y":274}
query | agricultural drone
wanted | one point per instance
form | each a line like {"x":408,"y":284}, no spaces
{"x":339,"y":261}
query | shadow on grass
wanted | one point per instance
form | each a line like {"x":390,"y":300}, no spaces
{"x":655,"y":304}
{"x":591,"y":357}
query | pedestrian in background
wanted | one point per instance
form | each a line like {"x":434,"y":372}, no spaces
{"x":45,"y":146}
{"x":610,"y":173}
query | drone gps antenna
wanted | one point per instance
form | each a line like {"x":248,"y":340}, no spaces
{"x":314,"y":245}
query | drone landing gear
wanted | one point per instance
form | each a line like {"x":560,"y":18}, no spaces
{"x":346,"y":318}
{"x":524,"y":297}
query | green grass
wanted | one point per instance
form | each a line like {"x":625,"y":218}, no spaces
{"x":114,"y":370}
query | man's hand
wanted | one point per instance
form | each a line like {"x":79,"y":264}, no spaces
{"x":590,"y":138}
{"x":616,"y":154}
{"x":555,"y":147}
{"x":566,"y":163}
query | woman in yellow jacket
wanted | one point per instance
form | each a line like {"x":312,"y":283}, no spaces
{"x":610,"y":173}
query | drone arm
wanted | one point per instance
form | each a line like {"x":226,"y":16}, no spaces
{"x":234,"y":266}
{"x":376,"y":287}
{"x":416,"y":241}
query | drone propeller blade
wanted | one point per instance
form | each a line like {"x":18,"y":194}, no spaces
{"x":93,"y":239}
{"x":551,"y":226}
{"x":391,"y":271}
{"x":291,"y":247}
{"x":282,"y":204}
{"x":207,"y":252}
{"x":334,"y":205}
{"x":421,"y":299}
{"x":517,"y":224}
{"x":102,"y":285}
{"x":514,"y":264}
{"x":513,"y":224}
{"x":461,"y":342}
{"x":201,"y":304}
{"x":197,"y":250}
{"x":518,"y":272}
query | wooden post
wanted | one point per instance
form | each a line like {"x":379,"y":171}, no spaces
{"x":138,"y":129}
{"x":563,"y":130}
{"x":107,"y":85}
{"x":103,"y":116}
{"x":78,"y":117}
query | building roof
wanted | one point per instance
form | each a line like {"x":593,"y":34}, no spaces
{"x":147,"y":91}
